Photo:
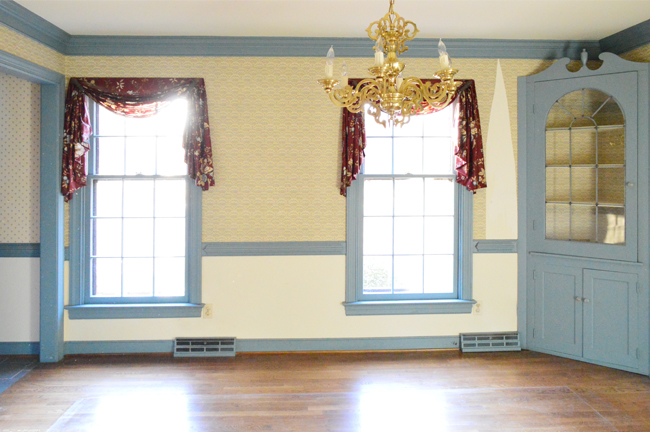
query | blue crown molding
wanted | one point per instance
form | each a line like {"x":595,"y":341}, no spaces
{"x":28,"y":23}
{"x":24,"y":21}
{"x":628,"y":39}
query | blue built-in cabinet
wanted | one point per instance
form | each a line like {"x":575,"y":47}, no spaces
{"x":583,"y":213}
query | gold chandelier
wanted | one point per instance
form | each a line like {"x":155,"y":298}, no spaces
{"x":389,"y":92}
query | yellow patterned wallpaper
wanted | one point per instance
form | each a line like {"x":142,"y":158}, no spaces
{"x":27,"y":48}
{"x":276,"y":140}
{"x":20,"y":103}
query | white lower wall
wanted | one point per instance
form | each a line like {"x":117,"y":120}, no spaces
{"x":300,"y":297}
{"x":19,"y":299}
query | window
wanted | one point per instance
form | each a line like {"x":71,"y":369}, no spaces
{"x":409,"y":223}
{"x":135,"y":243}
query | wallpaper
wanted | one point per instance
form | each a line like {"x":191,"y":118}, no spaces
{"x":20,"y":106}
{"x":27,"y":48}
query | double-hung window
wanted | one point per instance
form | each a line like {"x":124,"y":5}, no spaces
{"x":135,"y":229}
{"x":409,"y":222}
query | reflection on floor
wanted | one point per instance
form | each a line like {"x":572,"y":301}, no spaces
{"x":14,"y":368}
{"x":361,"y":392}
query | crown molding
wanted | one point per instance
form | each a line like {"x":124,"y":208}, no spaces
{"x":28,"y":23}
{"x":628,"y":39}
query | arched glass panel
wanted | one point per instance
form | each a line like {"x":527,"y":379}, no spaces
{"x":585,"y":169}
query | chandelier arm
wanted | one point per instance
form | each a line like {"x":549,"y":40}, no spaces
{"x":366,"y":91}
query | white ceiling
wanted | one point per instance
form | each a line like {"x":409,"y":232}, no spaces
{"x":485,"y":19}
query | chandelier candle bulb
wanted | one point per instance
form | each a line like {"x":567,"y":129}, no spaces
{"x":445,"y":63}
{"x":379,"y":52}
{"x":344,"y":75}
{"x":329,"y":63}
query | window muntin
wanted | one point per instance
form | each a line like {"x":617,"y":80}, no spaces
{"x":137,"y":224}
{"x":410,"y":218}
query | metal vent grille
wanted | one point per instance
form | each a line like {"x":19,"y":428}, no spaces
{"x":204,"y":347}
{"x":485,"y":342}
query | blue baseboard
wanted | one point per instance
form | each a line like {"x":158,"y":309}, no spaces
{"x":19,"y":348}
{"x":272,"y":345}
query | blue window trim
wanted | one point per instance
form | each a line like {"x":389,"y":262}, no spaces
{"x":79,"y":308}
{"x":354,"y":271}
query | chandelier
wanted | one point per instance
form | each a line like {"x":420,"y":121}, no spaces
{"x":388,"y":92}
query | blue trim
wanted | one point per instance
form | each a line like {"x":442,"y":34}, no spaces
{"x":273,"y":345}
{"x":119,"y":347}
{"x":194,"y":248}
{"x":406,"y":307}
{"x":274,"y":248}
{"x":494,"y":246}
{"x":19,"y":348}
{"x":28,"y":23}
{"x":20,"y":250}
{"x":627,"y":40}
{"x":141,"y":310}
{"x":51,"y":201}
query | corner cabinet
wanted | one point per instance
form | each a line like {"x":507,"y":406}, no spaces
{"x":583,"y":213}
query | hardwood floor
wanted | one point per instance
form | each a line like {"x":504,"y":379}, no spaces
{"x":361,"y":392}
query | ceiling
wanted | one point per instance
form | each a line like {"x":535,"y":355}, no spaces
{"x":482,"y":19}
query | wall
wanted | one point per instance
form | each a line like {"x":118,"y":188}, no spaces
{"x":275,"y":136}
{"x":20,"y":106}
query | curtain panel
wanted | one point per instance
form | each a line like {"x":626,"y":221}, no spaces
{"x":135,"y":97}
{"x":470,"y":159}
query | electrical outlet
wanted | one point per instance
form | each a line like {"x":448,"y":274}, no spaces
{"x":207,"y":311}
{"x":478,"y":308}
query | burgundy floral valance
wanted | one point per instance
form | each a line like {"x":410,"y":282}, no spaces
{"x":470,"y":160}
{"x":135,"y":97}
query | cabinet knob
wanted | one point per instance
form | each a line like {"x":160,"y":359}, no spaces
{"x":629,"y":184}
{"x":578,"y":299}
{"x":585,"y":300}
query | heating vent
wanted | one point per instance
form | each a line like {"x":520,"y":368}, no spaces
{"x":484,"y":342}
{"x":204,"y":347}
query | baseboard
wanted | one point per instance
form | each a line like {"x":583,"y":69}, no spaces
{"x":19,"y":348}
{"x":272,"y":345}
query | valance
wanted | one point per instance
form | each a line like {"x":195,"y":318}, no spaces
{"x":135,"y":97}
{"x":470,"y":160}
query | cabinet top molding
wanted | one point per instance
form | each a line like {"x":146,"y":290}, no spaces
{"x":611,"y":63}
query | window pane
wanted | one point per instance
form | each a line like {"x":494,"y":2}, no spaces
{"x":374,"y":129}
{"x":377,"y":274}
{"x":107,"y":198}
{"x":438,"y":197}
{"x":170,"y":121}
{"x":140,"y":156}
{"x":141,"y":126}
{"x":110,"y":124}
{"x":408,"y":274}
{"x":438,"y":124}
{"x":138,"y":237}
{"x":408,"y":156}
{"x":378,"y":197}
{"x":409,"y":197}
{"x":107,"y":237}
{"x":414,"y":128}
{"x":437,"y":156}
{"x":138,"y":277}
{"x":138,"y":198}
{"x":408,"y":235}
{"x":611,"y":225}
{"x":438,"y":274}
{"x":379,"y":156}
{"x":169,"y":277}
{"x":170,"y":157}
{"x":439,"y":235}
{"x":106,"y":277}
{"x":109,"y":154}
{"x":170,"y":237}
{"x":170,"y":198}
{"x":377,"y":235}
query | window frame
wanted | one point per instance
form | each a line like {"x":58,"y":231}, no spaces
{"x":356,"y":303}
{"x":81,"y":306}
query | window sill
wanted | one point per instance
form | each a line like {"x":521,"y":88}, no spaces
{"x":125,"y":311}
{"x":409,"y":307}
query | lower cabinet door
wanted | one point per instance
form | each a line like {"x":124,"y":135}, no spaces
{"x":610,"y":317}
{"x":557,"y":324}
